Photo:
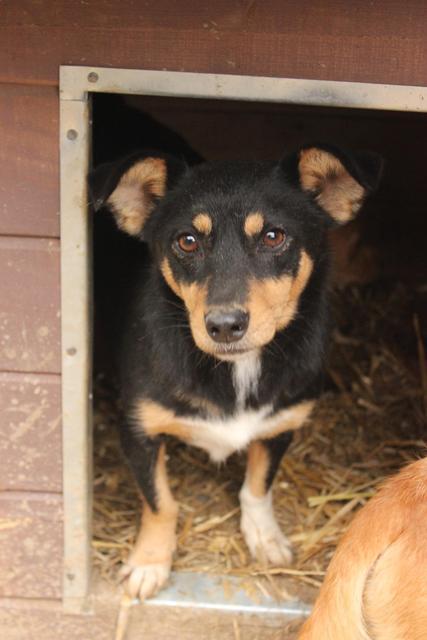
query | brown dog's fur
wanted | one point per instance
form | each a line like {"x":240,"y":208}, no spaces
{"x":376,"y":584}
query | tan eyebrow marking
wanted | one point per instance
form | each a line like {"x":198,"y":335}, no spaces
{"x":254,"y":224}
{"x":203,"y":223}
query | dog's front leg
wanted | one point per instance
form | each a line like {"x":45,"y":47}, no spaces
{"x":149,"y":564}
{"x":258,"y":524}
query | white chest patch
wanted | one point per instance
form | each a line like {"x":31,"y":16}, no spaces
{"x":222,"y":437}
{"x":246,"y":373}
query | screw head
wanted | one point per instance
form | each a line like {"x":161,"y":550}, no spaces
{"x":72,"y":134}
{"x":72,"y":351}
{"x":93,"y":77}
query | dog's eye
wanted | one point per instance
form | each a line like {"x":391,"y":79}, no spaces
{"x":274,"y":238}
{"x":188,"y":243}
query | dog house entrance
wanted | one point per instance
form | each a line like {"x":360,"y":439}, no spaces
{"x":222,"y":117}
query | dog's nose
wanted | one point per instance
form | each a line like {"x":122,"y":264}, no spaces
{"x":227,"y":326}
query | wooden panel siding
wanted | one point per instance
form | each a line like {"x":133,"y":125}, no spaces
{"x":29,"y":153}
{"x":29,"y":305}
{"x":30,"y":446}
{"x":383,"y":42}
{"x":38,"y":620}
{"x":30,"y":545}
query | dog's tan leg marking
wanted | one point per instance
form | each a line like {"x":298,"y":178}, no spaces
{"x":259,"y":527}
{"x":257,"y":466}
{"x":149,"y":564}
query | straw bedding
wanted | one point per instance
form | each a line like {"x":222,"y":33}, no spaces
{"x":370,"y":420}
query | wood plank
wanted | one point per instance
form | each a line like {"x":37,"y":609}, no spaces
{"x":384,"y":42}
{"x":273,"y":16}
{"x":36,"y":620}
{"x":29,"y":305}
{"x":29,"y":184}
{"x":30,"y":545}
{"x":30,"y":446}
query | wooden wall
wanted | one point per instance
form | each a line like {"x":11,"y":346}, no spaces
{"x":30,"y":412}
{"x":383,"y":41}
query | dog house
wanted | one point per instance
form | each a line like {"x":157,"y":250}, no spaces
{"x":263,"y":74}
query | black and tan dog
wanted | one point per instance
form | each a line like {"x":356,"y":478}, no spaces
{"x":222,"y":338}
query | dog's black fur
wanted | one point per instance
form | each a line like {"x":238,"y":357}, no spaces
{"x":161,"y":355}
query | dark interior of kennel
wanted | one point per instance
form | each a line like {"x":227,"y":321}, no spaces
{"x":373,"y":415}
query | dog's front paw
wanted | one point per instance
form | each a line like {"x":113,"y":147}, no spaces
{"x":268,"y":545}
{"x":145,"y":580}
{"x":262,"y":534}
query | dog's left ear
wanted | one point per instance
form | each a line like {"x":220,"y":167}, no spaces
{"x":339,"y":181}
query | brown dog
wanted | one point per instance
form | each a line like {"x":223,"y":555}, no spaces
{"x":376,"y":584}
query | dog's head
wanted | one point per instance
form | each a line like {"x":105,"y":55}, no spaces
{"x":237,"y":242}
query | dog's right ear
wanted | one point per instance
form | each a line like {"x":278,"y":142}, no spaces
{"x":132,"y":187}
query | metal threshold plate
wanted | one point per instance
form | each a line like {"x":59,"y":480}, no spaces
{"x":223,"y":593}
